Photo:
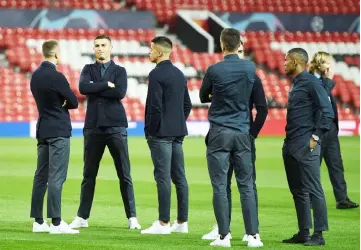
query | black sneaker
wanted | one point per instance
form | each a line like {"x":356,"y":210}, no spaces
{"x":346,"y":204}
{"x":316,"y":240}
{"x":297,"y":239}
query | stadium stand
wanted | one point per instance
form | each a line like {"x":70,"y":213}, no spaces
{"x":165,"y":10}
{"x":131,"y":48}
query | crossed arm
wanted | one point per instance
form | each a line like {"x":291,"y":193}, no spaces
{"x":71,"y":101}
{"x":206,"y":88}
{"x":104,"y":89}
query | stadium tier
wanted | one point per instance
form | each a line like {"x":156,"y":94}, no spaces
{"x":63,"y":4}
{"x":165,"y":10}
{"x":131,"y":47}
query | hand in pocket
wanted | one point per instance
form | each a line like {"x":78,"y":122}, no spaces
{"x":313,"y":144}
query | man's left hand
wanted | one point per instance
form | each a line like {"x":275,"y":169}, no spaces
{"x":313,"y":144}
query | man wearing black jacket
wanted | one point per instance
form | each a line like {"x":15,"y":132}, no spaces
{"x":53,"y":98}
{"x":308,"y":103}
{"x":258,"y":99}
{"x":230,"y":82}
{"x":321,"y":67}
{"x":105,"y":84}
{"x":167,"y":108}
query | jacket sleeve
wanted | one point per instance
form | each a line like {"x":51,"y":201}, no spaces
{"x":187,"y":103}
{"x":259,"y":100}
{"x":63,"y":88}
{"x":121,"y":85}
{"x":155,"y":96}
{"x":206,"y":87}
{"x":86,"y":87}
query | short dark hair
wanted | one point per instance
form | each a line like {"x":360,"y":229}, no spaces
{"x":300,"y":54}
{"x":48,"y":48}
{"x":103,"y":37}
{"x":163,"y":41}
{"x":231,"y":39}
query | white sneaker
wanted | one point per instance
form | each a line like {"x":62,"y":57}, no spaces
{"x":213,"y":235}
{"x":157,"y":228}
{"x":226,"y":242}
{"x":40,"y":228}
{"x":254,"y":241}
{"x":245,"y":237}
{"x":63,"y":228}
{"x":179,"y":228}
{"x":79,"y":222}
{"x":133,"y":223}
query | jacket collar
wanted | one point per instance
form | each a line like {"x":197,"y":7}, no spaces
{"x":299,"y":76}
{"x":48,"y":64}
{"x":107,"y":73}
{"x":163,"y":63}
{"x":231,"y":56}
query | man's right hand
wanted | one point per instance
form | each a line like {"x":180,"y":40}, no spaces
{"x":111,"y":85}
{"x":329,"y":73}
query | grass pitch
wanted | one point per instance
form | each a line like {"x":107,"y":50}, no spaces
{"x":108,"y":225}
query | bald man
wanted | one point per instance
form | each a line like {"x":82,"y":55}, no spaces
{"x":167,"y":108}
{"x":301,"y":150}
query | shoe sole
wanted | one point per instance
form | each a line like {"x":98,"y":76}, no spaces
{"x":155,"y":233}
{"x":219,"y":245}
{"x":180,"y":232}
{"x":79,"y":227}
{"x":62,"y":233}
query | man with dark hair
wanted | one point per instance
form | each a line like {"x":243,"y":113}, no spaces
{"x":53,"y":97}
{"x":103,"y":37}
{"x":167,"y":108}
{"x":258,"y":99}
{"x":230,"y":83}
{"x":104,"y":83}
{"x":307,"y":103}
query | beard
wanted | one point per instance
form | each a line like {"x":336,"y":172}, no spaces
{"x":101,"y":58}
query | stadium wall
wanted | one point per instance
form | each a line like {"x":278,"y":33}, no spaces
{"x":195,"y":128}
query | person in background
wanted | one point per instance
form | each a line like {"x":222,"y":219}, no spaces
{"x":321,"y":67}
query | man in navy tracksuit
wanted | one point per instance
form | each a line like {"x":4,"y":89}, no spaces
{"x":309,"y":117}
{"x":167,"y":108}
{"x":105,"y":84}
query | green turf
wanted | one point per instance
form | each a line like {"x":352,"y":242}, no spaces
{"x":108,"y":223}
